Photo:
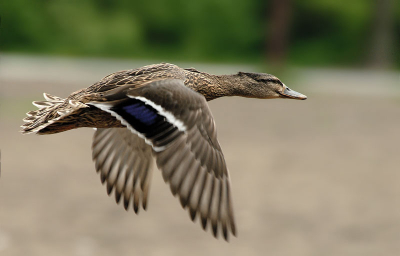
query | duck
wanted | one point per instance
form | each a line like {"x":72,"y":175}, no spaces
{"x":159,"y":112}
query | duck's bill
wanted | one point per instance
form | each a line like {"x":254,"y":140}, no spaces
{"x":289,"y":93}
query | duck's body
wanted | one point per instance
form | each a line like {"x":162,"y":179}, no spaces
{"x":158,"y":111}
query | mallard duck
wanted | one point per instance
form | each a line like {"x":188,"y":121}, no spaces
{"x":159,"y":111}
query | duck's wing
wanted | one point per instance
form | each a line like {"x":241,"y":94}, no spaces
{"x":179,"y":126}
{"x":124,"y":162}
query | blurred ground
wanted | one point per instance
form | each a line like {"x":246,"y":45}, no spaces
{"x":315,"y":177}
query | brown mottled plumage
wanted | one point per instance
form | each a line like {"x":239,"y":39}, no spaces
{"x":158,"y":111}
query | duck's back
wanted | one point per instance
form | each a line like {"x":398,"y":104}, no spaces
{"x":137,"y":77}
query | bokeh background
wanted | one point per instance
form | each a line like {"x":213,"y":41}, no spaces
{"x":311,"y":32}
{"x":315,"y":177}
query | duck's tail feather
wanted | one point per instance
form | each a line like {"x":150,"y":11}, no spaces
{"x":52,"y":115}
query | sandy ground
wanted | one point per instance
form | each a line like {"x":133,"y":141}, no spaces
{"x":315,"y":177}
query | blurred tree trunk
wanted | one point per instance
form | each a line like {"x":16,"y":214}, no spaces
{"x":382,"y":36}
{"x":279,"y":18}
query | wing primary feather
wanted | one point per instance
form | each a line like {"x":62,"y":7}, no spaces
{"x":201,"y":188}
{"x":214,"y":206}
{"x":109,"y":188}
{"x":197,"y":189}
{"x":127,"y":160}
{"x":115,"y":168}
{"x":230,"y":209}
{"x":99,"y":142}
{"x":178,"y":174}
{"x":146,"y":189}
{"x":189,"y":168}
{"x":120,"y":183}
{"x":144,"y":173}
{"x":206,"y":212}
{"x":136,"y":200}
{"x":102,"y":163}
{"x":103,"y":154}
{"x":129,"y":183}
{"x":190,"y":184}
{"x":139,"y":170}
{"x":110,"y":163}
{"x":192,"y":213}
{"x":223,"y":209}
{"x":145,"y":182}
{"x":115,"y":162}
{"x":164,"y":156}
{"x":167,"y":159}
{"x":100,"y":154}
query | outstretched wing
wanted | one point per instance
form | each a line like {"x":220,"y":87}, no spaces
{"x":177,"y":123}
{"x":124,"y":162}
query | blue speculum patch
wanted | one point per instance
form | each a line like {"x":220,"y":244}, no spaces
{"x":142,"y":113}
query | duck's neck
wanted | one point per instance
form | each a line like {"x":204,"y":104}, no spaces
{"x":231,"y":85}
{"x":216,"y":86}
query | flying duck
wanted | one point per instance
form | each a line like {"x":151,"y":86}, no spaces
{"x":158,"y":111}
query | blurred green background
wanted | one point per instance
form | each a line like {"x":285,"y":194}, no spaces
{"x":309,"y":32}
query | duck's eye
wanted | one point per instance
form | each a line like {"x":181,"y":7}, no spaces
{"x":288,"y":89}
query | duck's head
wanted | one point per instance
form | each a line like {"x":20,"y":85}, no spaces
{"x":266,"y":86}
